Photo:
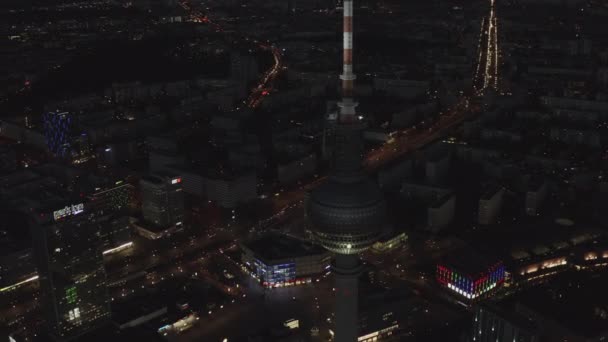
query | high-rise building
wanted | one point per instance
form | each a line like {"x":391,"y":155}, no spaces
{"x":348,"y":210}
{"x":113,"y":197}
{"x":57,"y":131}
{"x":111,"y":201}
{"x":63,"y":140}
{"x":492,"y":324}
{"x":115,"y":233}
{"x":162,"y":200}
{"x":68,"y":254}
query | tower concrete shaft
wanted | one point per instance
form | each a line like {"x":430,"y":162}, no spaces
{"x":349,"y":145}
{"x":347,"y":165}
{"x":346,"y":269}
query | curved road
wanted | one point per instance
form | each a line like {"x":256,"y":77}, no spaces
{"x":262,"y":89}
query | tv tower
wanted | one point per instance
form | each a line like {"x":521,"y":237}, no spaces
{"x":348,"y":210}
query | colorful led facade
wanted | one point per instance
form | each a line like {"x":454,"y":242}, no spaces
{"x":57,"y":131}
{"x":471,"y":286}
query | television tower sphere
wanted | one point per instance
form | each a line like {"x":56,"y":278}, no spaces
{"x":347,"y":216}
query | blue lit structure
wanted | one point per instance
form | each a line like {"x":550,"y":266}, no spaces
{"x":57,"y":126}
{"x":277,"y":260}
{"x":272,"y":275}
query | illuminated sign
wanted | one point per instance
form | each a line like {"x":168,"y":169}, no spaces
{"x":176,"y":181}
{"x":69,"y":210}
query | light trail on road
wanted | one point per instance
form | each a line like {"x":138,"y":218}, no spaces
{"x":261,"y":90}
{"x":488,"y":52}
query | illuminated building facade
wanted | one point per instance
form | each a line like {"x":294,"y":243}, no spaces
{"x":273,"y":275}
{"x":162,"y":200}
{"x":472,"y":279}
{"x":62,"y":139}
{"x":57,"y":131}
{"x":116,"y":197}
{"x":111,"y":204}
{"x":543,"y":266}
{"x":596,"y":257}
{"x":277,"y":260}
{"x":115,"y":232}
{"x":68,"y":254}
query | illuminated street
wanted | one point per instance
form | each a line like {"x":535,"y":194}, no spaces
{"x":486,"y":74}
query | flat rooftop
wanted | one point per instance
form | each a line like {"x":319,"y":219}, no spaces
{"x":574,"y":301}
{"x":275,"y":246}
{"x":469,"y":262}
{"x":123,"y":312}
{"x":159,"y":177}
{"x":227,"y":173}
{"x":515,"y":318}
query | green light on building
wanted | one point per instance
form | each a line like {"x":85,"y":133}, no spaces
{"x":70,"y":295}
